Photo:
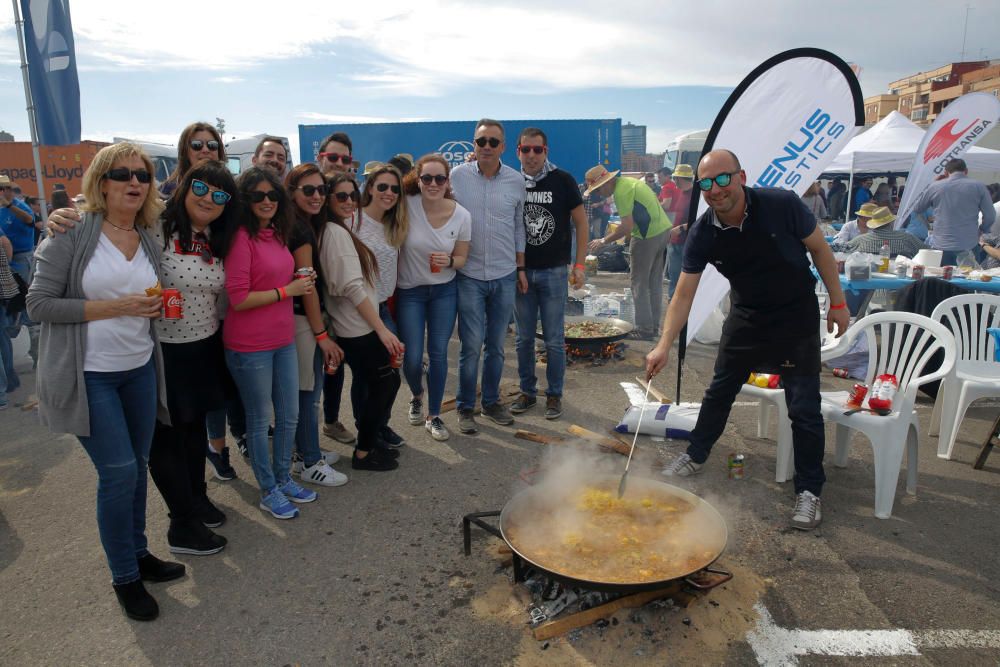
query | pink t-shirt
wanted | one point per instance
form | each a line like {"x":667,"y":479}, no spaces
{"x":258,"y":265}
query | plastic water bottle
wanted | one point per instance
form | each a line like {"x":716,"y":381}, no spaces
{"x":628,"y":307}
{"x":883,"y":256}
{"x":588,"y":306}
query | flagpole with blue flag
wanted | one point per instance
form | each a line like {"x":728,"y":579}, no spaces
{"x":48,"y":67}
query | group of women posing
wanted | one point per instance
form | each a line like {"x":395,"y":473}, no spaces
{"x":282,"y":279}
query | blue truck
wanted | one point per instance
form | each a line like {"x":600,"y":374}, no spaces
{"x":576,"y":144}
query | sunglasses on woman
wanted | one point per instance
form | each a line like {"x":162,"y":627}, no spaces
{"x":310,"y":190}
{"x":382,"y":187}
{"x":333,"y":157}
{"x":492,"y":141}
{"x":722,"y":180}
{"x":257,"y":196}
{"x":200,"y":189}
{"x":124,"y":175}
{"x":198,"y":144}
{"x":344,"y":196}
{"x":440,"y":179}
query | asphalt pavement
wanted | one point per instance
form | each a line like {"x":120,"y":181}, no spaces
{"x":373,"y":572}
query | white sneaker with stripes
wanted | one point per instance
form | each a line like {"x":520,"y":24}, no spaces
{"x":322,"y":474}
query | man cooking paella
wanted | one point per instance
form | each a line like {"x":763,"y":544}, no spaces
{"x":758,"y":239}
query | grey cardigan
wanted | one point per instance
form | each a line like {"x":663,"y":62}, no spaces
{"x":55,"y":299}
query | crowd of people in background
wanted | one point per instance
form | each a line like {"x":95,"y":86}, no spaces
{"x":289,"y":275}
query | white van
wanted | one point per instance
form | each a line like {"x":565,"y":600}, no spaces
{"x":685,"y":149}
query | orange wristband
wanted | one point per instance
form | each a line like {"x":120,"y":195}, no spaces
{"x":282,"y":293}
{"x":839,"y":306}
{"x":322,"y":336}
{"x":580,"y":266}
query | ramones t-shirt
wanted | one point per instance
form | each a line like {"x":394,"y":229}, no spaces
{"x":547,"y":220}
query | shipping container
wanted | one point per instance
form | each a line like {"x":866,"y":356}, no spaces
{"x":575,"y":145}
{"x":61,"y":165}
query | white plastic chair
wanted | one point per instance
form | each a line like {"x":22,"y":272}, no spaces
{"x":775,"y":398}
{"x":975,"y":374}
{"x":901,"y":344}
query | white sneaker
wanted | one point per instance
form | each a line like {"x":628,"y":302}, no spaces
{"x":436,"y":428}
{"x":416,"y":414}
{"x":322,"y":474}
{"x":328,"y":457}
{"x":807,"y":514}
{"x":683,"y":466}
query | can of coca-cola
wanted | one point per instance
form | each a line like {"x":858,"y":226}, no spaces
{"x":173,"y":304}
{"x":304,"y":272}
{"x":331,"y":368}
{"x":917,"y":272}
{"x":947,"y":272}
{"x":396,"y":361}
{"x":841,"y":372}
{"x":857,"y":395}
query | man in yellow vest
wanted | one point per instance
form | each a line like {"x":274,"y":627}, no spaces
{"x":647,"y":222}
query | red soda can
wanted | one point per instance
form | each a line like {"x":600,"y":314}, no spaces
{"x":857,"y":396}
{"x":396,"y":361}
{"x":304,"y":272}
{"x":173,"y":304}
{"x":947,"y":272}
{"x":840,"y":372}
{"x":883,"y":391}
{"x":918,"y":271}
{"x":434,"y":267}
{"x":331,"y":368}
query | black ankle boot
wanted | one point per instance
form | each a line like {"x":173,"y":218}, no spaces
{"x":190,"y":536}
{"x":152,"y":568}
{"x":136,"y":602}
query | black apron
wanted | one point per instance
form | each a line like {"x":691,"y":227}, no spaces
{"x":773,"y":325}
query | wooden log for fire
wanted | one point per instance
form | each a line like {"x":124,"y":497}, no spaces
{"x":610,"y":444}
{"x":538,"y":437}
{"x":580,"y":619}
{"x":653,"y":391}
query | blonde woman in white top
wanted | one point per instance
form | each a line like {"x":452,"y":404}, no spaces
{"x":427,"y":301}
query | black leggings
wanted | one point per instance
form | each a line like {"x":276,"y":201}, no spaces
{"x":177,"y":466}
{"x":368,"y":358}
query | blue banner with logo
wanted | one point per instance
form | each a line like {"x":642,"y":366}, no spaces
{"x":51,"y":57}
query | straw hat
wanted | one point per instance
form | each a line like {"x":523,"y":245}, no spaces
{"x":867,"y":209}
{"x":372,"y":166}
{"x":880,"y":216}
{"x":596,"y":177}
{"x":4,"y":180}
{"x":684,"y":171}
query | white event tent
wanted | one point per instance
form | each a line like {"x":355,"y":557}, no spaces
{"x":891,"y":144}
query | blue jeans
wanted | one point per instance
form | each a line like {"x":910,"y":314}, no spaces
{"x":430,"y":308}
{"x":675,"y":259}
{"x":307,"y":430}
{"x":122,"y":408}
{"x":267,"y":378}
{"x":10,"y":381}
{"x":484,"y":310}
{"x":546,"y":300}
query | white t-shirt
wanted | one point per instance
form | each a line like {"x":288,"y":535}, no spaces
{"x":119,"y":343}
{"x":422,"y":240}
{"x":372,"y":234}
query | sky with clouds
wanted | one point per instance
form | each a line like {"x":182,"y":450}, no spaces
{"x":147,"y":69}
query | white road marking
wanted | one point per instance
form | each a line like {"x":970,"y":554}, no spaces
{"x":775,"y":646}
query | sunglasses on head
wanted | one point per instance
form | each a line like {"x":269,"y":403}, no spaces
{"x":722,"y":180}
{"x":440,"y":179}
{"x":200,"y":189}
{"x":310,"y":190}
{"x":257,"y":196}
{"x":382,"y":187}
{"x":124,"y":175}
{"x":333,"y":157}
{"x":537,"y":150}
{"x":344,"y":196}
{"x":198,"y":144}
{"x":492,"y":141}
